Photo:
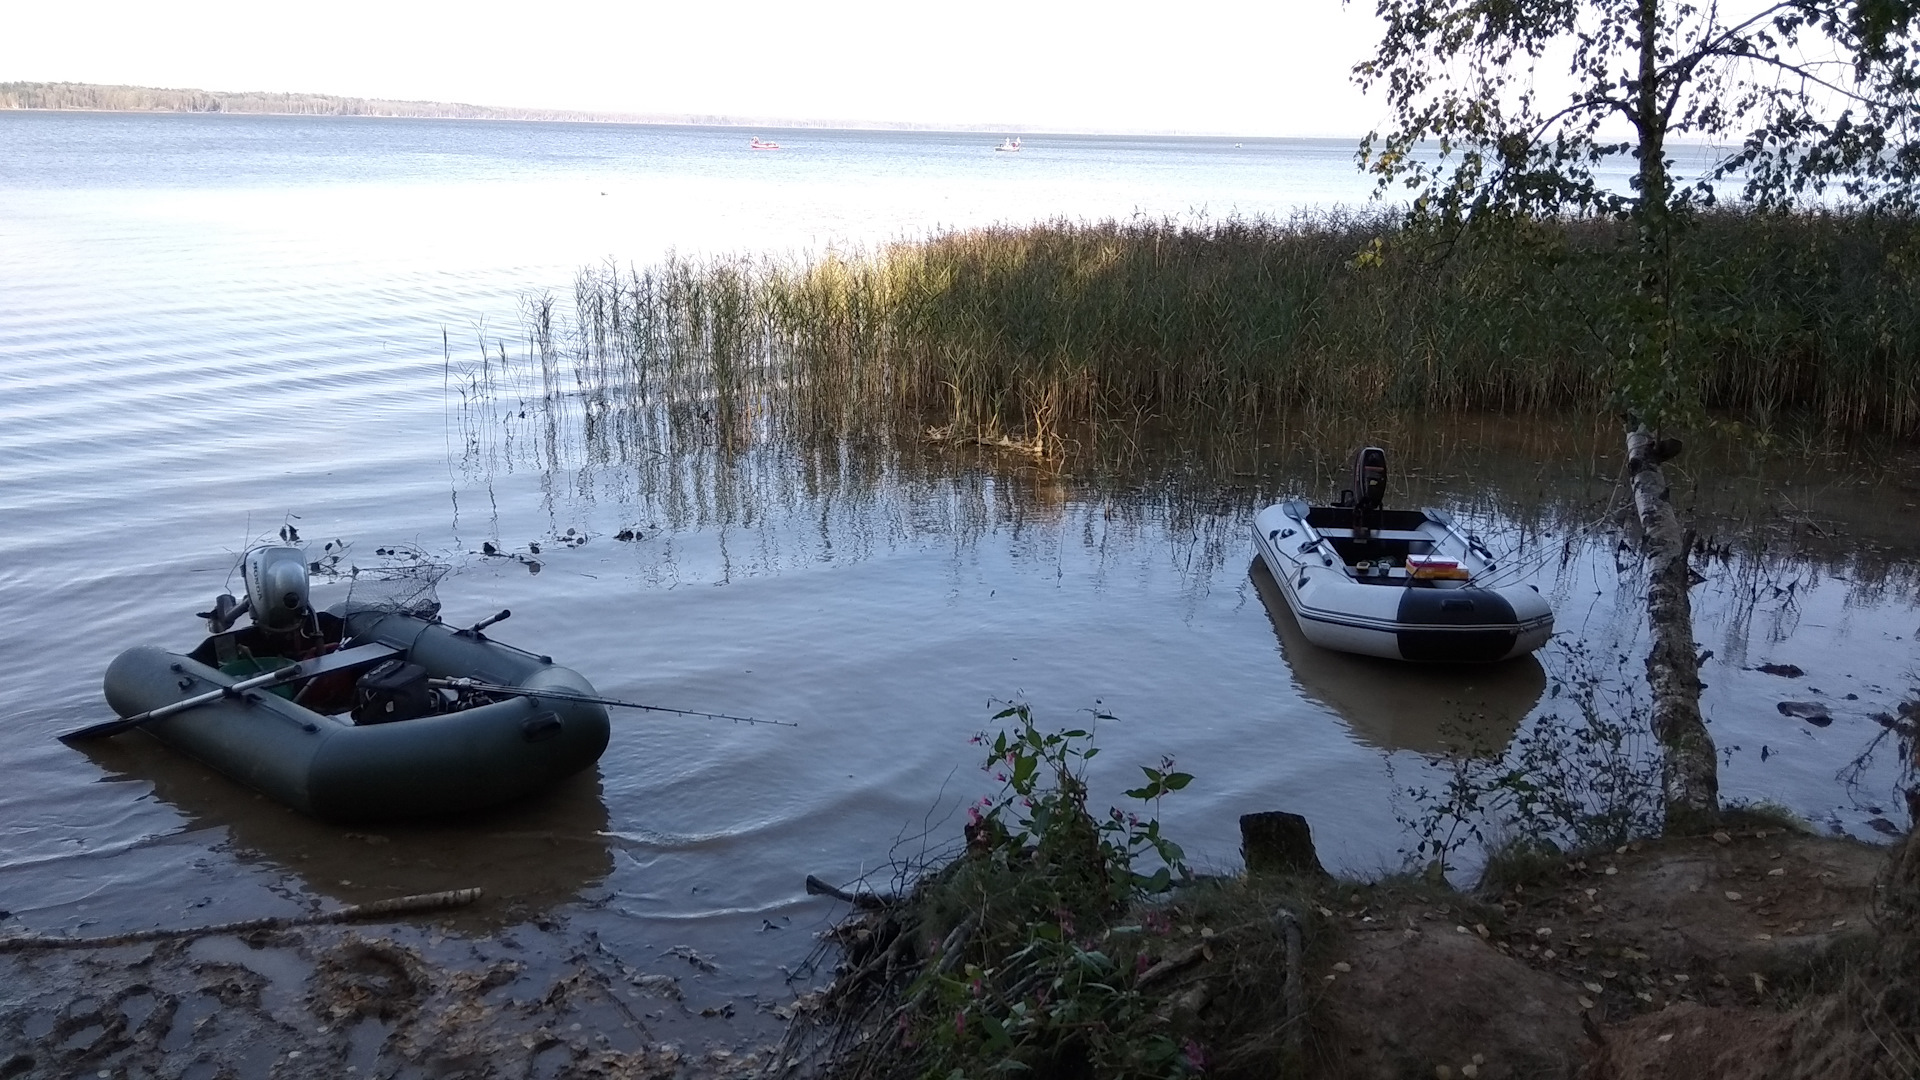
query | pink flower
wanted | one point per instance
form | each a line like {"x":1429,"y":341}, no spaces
{"x":1140,"y":963}
{"x":973,"y":815}
{"x":1000,"y":776}
{"x":959,"y":1023}
{"x":1196,"y":1056}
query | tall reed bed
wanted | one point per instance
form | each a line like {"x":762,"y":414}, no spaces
{"x":1029,"y":330}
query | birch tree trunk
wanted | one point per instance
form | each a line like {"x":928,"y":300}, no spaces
{"x":1690,"y":776}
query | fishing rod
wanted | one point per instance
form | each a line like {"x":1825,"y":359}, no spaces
{"x":590,"y":699}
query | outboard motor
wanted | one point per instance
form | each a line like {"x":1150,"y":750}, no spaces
{"x":1369,"y":478}
{"x":276,"y":577}
{"x":1369,"y":488}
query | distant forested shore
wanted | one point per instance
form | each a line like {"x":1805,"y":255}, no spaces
{"x":65,"y":95}
{"x":100,"y":98}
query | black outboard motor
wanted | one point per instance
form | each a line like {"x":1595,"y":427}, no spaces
{"x":1369,"y":478}
{"x":1369,"y":488}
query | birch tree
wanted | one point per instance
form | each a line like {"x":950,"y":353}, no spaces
{"x":1515,"y":110}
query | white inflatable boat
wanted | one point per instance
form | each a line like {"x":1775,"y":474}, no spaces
{"x":1401,"y":584}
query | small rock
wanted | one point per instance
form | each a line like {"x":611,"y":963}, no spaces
{"x":1883,"y":826}
{"x":1723,"y":837}
{"x":1787,"y":671}
{"x":1731,"y":895}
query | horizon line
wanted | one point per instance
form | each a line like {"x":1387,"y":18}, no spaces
{"x":599,"y":116}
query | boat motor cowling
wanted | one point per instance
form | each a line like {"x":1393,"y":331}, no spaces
{"x":1369,"y":478}
{"x":276,"y":577}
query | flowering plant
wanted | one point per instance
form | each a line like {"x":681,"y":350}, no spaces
{"x":1042,"y":881}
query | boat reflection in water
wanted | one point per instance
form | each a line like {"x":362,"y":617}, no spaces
{"x":1394,"y":705}
{"x":528,"y":856}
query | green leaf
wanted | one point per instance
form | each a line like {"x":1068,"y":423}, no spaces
{"x":996,"y":1031}
{"x":1023,"y":771}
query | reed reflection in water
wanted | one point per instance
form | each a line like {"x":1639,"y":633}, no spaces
{"x":705,"y":463}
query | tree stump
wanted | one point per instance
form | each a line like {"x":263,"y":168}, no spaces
{"x":1276,"y":842}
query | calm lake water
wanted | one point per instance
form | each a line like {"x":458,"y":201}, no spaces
{"x":212,"y":327}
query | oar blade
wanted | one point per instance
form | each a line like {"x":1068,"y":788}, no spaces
{"x":102,"y":730}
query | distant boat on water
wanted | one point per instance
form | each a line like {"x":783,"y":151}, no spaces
{"x":1009,"y":146}
{"x":758,"y":144}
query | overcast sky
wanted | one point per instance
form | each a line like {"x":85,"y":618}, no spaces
{"x":1277,"y":67}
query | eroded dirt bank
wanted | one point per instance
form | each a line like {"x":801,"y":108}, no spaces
{"x":1755,"y":950}
{"x":1690,"y":957}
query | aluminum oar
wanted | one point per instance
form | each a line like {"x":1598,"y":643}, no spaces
{"x":333,"y":661}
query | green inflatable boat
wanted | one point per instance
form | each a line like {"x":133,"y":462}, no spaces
{"x":359,"y":714}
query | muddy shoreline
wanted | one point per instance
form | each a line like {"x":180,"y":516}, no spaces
{"x":1618,"y":964}
{"x":428,"y":996}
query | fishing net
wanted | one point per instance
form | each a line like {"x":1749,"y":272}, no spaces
{"x":399,"y":578}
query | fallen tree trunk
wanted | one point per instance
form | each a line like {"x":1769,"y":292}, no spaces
{"x":1690,"y":777}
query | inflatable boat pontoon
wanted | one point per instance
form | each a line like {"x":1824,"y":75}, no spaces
{"x":1401,"y":584}
{"x":376,"y":721}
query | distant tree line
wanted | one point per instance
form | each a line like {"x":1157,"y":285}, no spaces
{"x":67,"y":95}
{"x":35,"y":95}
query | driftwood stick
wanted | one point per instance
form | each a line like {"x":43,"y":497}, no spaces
{"x":398,"y":905}
{"x":866,"y":901}
{"x":1689,"y":774}
{"x":1182,"y":959}
{"x":1292,"y":993}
